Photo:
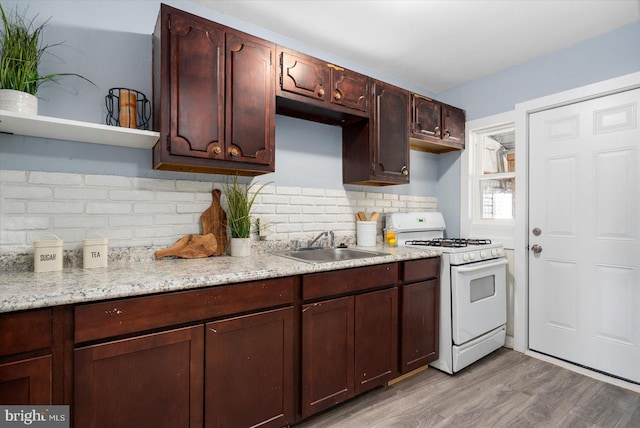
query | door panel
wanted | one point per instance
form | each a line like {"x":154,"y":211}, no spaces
{"x":584,"y":286}
{"x":250,"y":99}
{"x":197,"y":69}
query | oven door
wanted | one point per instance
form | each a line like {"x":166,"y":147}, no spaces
{"x":478,"y":298}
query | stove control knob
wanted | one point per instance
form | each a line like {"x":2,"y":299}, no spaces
{"x":465,"y":257}
{"x":484,"y":254}
{"x":499,"y":251}
{"x":494,"y":252}
{"x":472,"y":256}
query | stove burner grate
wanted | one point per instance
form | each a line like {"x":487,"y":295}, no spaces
{"x":449,"y":242}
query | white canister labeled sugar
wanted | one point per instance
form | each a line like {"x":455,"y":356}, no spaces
{"x":47,"y":256}
{"x":366,"y":233}
{"x":95,"y":252}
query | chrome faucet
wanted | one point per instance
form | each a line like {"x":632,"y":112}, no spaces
{"x":314,"y":240}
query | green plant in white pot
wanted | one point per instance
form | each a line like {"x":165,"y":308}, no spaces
{"x":21,"y":52}
{"x":240,"y":201}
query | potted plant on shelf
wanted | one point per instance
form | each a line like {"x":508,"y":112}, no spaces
{"x":239,"y":219}
{"x":21,"y":52}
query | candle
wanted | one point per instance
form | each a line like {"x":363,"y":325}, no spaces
{"x":128,"y":109}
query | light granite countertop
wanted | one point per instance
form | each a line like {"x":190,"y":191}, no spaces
{"x":29,"y":290}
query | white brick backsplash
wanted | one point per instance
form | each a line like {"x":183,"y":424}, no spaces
{"x":284,"y":190}
{"x":107,"y":181}
{"x":177,"y":219}
{"x":7,"y":176}
{"x":13,"y":207}
{"x":25,"y":192}
{"x":131,"y":195}
{"x":140,"y":220}
{"x":26,"y":223}
{"x":175,"y":196}
{"x":11,"y":239}
{"x":153,"y":184}
{"x":54,"y":178}
{"x":85,"y":221}
{"x":146,"y":212}
{"x":55,"y":207}
{"x":108,"y":208}
{"x":141,"y":208}
{"x":79,"y":193}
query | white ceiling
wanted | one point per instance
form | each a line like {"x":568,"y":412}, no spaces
{"x":435,"y":44}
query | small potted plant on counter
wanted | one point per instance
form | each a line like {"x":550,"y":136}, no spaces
{"x":240,"y":201}
{"x":21,"y":52}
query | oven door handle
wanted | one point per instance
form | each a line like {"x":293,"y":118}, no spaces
{"x":475,"y":266}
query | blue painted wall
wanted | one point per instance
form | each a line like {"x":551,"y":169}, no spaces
{"x":611,"y":55}
{"x":111,"y":45}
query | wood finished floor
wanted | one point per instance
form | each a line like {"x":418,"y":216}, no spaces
{"x":504,"y":389}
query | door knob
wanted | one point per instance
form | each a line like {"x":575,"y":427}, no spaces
{"x":537,"y":249}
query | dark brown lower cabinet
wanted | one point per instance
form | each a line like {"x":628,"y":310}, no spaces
{"x":349,"y":345}
{"x":154,"y":380}
{"x":327,"y":354}
{"x":249,"y":376}
{"x":26,"y":381}
{"x":419,"y":324}
{"x":376,"y":338}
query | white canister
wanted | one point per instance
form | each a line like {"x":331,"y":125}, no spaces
{"x":47,"y":256}
{"x":95,"y":252}
{"x":366,"y":233}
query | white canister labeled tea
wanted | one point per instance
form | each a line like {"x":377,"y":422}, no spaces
{"x":48,"y":255}
{"x":95,"y":252}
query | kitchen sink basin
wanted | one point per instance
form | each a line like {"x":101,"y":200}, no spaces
{"x":326,"y":255}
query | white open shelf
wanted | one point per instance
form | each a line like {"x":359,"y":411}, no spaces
{"x":73,"y":130}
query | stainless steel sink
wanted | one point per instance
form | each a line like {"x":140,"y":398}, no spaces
{"x":326,"y":255}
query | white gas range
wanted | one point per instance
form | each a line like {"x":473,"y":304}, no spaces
{"x":473,"y":300}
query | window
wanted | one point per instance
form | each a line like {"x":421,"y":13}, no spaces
{"x":492,"y":175}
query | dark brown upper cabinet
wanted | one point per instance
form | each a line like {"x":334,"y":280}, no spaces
{"x":312,"y":89}
{"x":376,"y":152}
{"x":436,"y":127}
{"x":214,"y":97}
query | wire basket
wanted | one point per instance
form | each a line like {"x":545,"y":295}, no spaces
{"x":128,"y":108}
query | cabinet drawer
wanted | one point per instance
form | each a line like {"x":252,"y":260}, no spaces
{"x":345,"y":281}
{"x":25,"y":331}
{"x":418,"y":270}
{"x":99,"y":320}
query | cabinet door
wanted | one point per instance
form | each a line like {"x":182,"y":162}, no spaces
{"x":425,"y":117}
{"x":349,"y":89}
{"x":249,"y":370}
{"x":26,"y":382}
{"x":327,"y":354}
{"x":391,"y":132}
{"x":453,"y":123}
{"x":376,"y":338}
{"x":250,"y":100}
{"x":193,"y":92}
{"x":149,"y":381}
{"x":419,"y":325}
{"x":303,"y":75}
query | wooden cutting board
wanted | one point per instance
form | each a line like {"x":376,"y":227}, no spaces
{"x":191,"y":247}
{"x":212,"y":242}
{"x":214,"y":220}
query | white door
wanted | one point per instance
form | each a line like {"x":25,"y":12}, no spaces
{"x":584,"y":286}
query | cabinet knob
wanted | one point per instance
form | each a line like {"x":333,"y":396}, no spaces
{"x":404,"y":170}
{"x":320,"y":92}
{"x":233,"y":151}
{"x":436,"y":131}
{"x":216,"y":150}
{"x":447,"y":134}
{"x":337,"y":96}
